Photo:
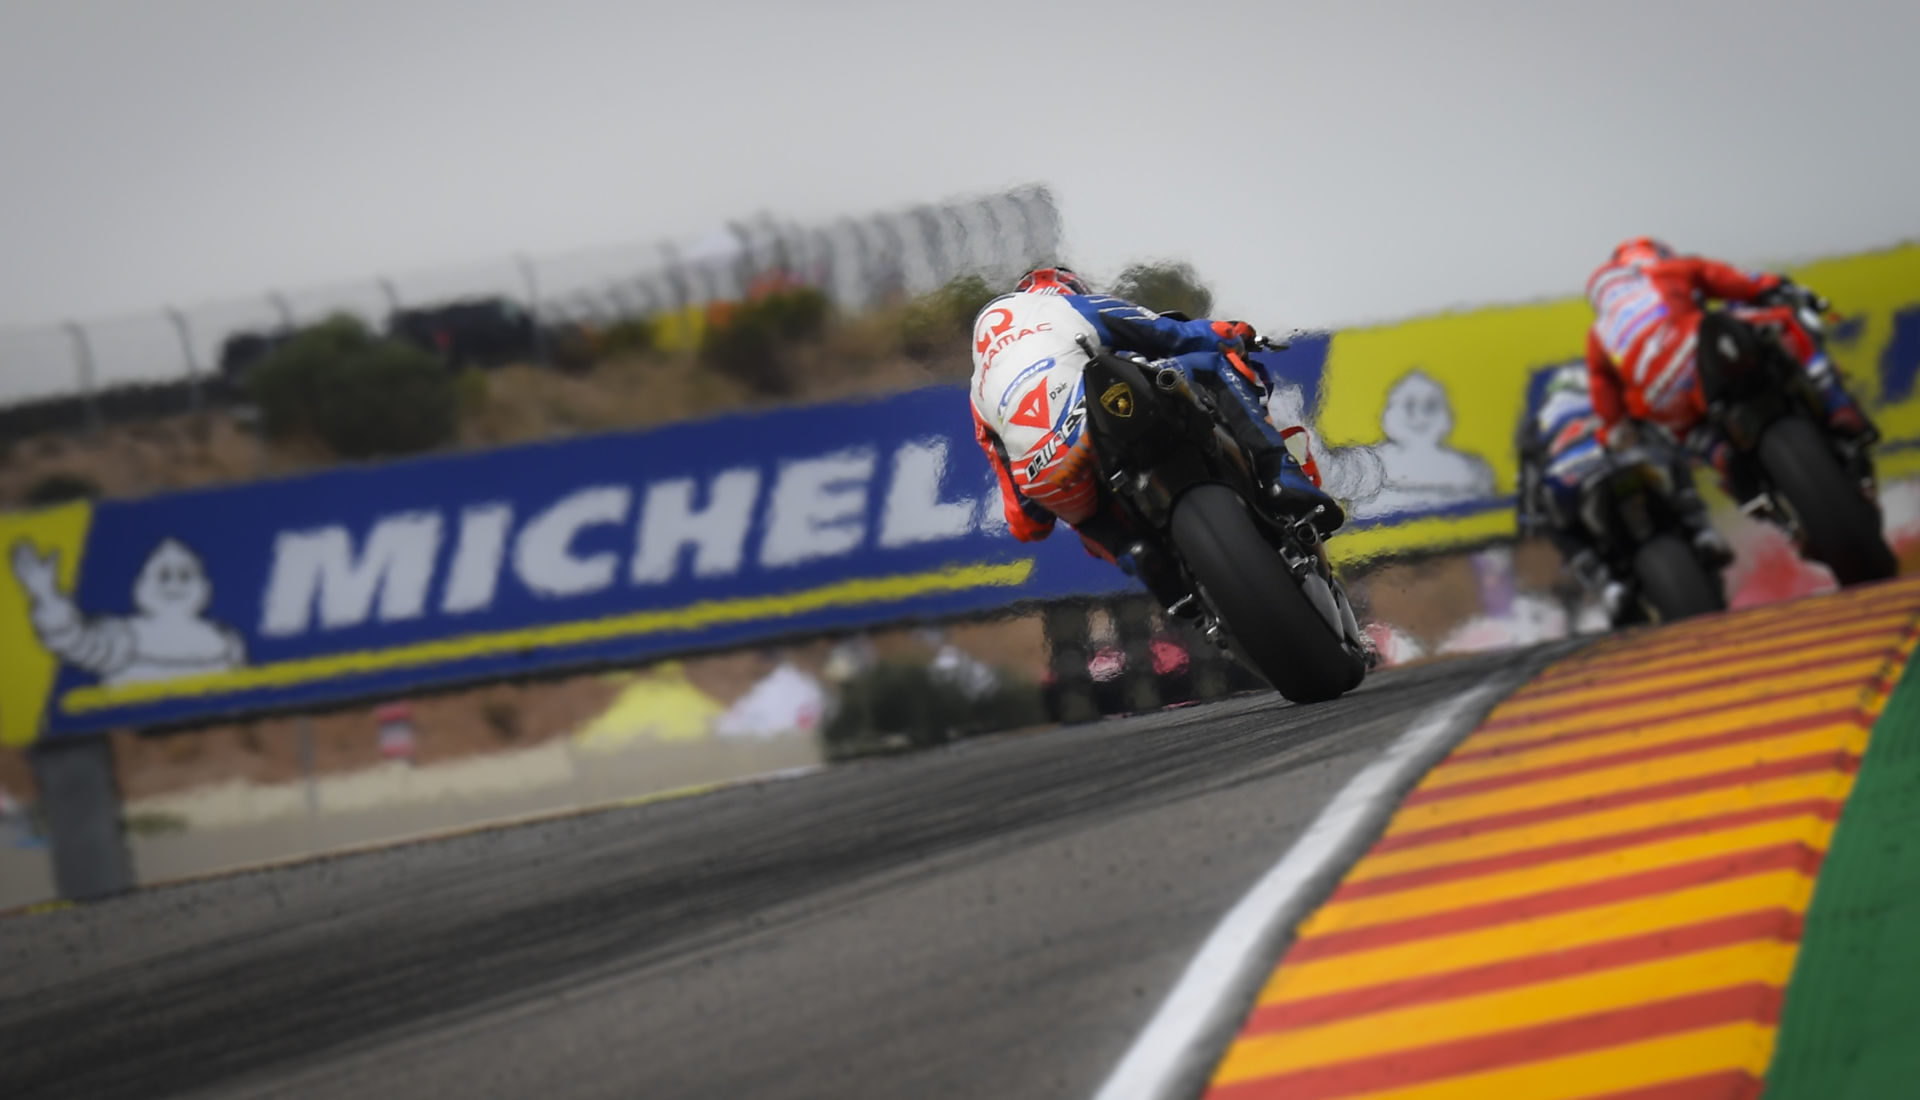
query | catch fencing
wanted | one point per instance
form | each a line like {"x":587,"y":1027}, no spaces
{"x":84,"y":373}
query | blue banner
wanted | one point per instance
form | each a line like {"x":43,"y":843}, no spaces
{"x":386,"y":578}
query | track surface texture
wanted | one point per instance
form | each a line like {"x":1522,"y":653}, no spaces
{"x":992,"y":920}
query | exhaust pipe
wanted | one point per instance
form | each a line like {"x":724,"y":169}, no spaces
{"x":1168,"y":379}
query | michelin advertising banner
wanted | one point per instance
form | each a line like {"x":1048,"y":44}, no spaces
{"x":364,"y":581}
{"x":372,"y":580}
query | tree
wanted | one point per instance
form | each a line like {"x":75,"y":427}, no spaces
{"x":360,"y":394}
{"x":1165,"y":288}
{"x":754,"y":342}
{"x":59,"y":488}
{"x":942,"y":319}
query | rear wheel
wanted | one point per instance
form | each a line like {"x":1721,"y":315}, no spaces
{"x":1274,"y":624}
{"x":1673,"y":583}
{"x":1841,"y":527}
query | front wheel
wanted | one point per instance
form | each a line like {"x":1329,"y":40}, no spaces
{"x":1673,"y":583}
{"x":1840,"y":526}
{"x":1274,"y":624}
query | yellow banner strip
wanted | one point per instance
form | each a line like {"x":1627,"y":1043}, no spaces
{"x":710,"y":613}
{"x":1430,"y":534}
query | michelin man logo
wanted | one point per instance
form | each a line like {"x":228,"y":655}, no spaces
{"x":1421,"y":469}
{"x":166,"y":638}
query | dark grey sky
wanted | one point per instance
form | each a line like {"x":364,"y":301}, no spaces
{"x":1322,"y":163}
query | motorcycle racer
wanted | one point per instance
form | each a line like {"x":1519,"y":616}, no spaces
{"x":1642,"y":348}
{"x":1560,"y":448}
{"x":1024,"y":411}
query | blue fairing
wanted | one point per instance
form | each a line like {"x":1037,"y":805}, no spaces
{"x":1134,"y":328}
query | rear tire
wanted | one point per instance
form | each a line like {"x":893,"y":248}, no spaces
{"x":1673,"y":582}
{"x":1274,"y":626}
{"x":1840,"y":525}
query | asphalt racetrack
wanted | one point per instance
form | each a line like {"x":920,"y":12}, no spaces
{"x":998,"y":919}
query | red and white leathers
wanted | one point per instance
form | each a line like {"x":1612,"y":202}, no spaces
{"x":1641,"y":348}
{"x":1027,"y":392}
{"x":1026,"y":365}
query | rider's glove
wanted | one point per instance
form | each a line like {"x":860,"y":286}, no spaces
{"x":1230,"y":331}
{"x":1792,"y":293}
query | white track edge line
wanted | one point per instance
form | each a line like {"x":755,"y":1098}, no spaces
{"x":1172,"y":1053}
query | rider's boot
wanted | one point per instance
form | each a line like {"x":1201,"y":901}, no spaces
{"x":1708,"y":544}
{"x":1588,"y":569}
{"x":1138,"y":558}
{"x":1849,"y":425}
{"x":1244,"y":408}
{"x":1615,"y":596}
{"x":1274,"y":465}
{"x":1294,"y":491}
{"x":1845,"y":417}
{"x":1737,"y":478}
{"x":1712,"y":548}
{"x":1164,"y":581}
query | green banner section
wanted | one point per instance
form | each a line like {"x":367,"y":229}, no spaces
{"x":1850,"y":1029}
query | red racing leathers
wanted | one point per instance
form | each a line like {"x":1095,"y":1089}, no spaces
{"x":1640,"y":350}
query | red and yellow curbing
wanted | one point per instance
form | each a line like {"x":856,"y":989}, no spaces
{"x":1600,"y":892}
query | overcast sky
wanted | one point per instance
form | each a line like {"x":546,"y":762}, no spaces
{"x":1320,"y":163}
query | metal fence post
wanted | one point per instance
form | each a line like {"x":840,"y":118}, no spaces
{"x":893,"y":261}
{"x":81,"y":797}
{"x":866,"y":268}
{"x":83,"y":360}
{"x":532,"y":280}
{"x":932,"y":238}
{"x":179,"y":320}
{"x":789,"y":245}
{"x":309,"y":778}
{"x":675,"y":272}
{"x":1045,"y":239}
{"x":649,"y":298}
{"x":745,"y":268}
{"x":822,"y":263}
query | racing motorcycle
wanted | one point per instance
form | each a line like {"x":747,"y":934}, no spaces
{"x":1260,"y":582}
{"x":1630,"y":506}
{"x":1786,"y":465}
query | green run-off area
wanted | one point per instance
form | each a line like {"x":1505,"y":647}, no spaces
{"x":1850,"y":1028}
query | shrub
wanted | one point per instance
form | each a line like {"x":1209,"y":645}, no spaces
{"x":1165,"y":288}
{"x":470,"y":391}
{"x":286,"y":382}
{"x":632,"y":336}
{"x":361,"y":395}
{"x":942,"y":319}
{"x":572,"y":346}
{"x":59,"y":488}
{"x":753,"y":343}
{"x":799,"y":313}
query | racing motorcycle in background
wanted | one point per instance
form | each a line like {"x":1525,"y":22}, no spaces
{"x":1264,"y":587}
{"x":1630,"y":507}
{"x":1786,"y":464}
